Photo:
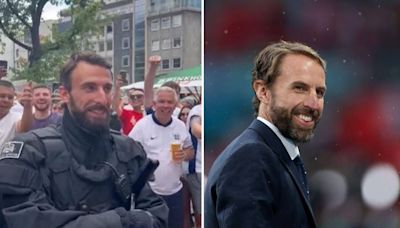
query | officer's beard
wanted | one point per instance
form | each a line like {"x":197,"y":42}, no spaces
{"x":96,"y":126}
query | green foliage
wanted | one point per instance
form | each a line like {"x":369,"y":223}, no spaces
{"x":87,"y":25}
{"x":15,"y":25}
{"x":47,"y":69}
{"x":86,"y":28}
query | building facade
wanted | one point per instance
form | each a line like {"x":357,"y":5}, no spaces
{"x":174,"y":33}
{"x":14,"y":55}
{"x":121,"y":43}
{"x":141,"y":28}
{"x":17,"y":56}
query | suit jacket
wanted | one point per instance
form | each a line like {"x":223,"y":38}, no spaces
{"x":253,"y":184}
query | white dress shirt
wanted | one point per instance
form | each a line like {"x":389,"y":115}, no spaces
{"x":291,"y":148}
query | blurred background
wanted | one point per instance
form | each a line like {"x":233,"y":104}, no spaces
{"x":354,"y":158}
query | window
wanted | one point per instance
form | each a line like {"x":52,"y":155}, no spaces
{"x":165,"y":22}
{"x":109,"y":29}
{"x":152,"y":3}
{"x":166,"y":44}
{"x":155,"y":24}
{"x":125,"y":43}
{"x":139,"y":59}
{"x":139,"y":65}
{"x":177,"y":43}
{"x":177,"y":20}
{"x":155,"y":45}
{"x":139,"y":42}
{"x":125,"y":61}
{"x":165,"y":64}
{"x":109,"y":45}
{"x":177,"y":62}
{"x":125,"y":25}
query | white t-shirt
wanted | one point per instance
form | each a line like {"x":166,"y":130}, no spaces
{"x":8,"y":126}
{"x":194,"y":112}
{"x":18,"y":108}
{"x":156,"y":140}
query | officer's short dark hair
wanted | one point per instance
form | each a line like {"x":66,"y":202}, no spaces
{"x":70,"y":65}
{"x":7,"y":84}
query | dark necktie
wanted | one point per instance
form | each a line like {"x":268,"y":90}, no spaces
{"x":302,"y":175}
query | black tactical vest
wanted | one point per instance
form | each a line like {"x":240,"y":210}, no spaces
{"x":71,"y":186}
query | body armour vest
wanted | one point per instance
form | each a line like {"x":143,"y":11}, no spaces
{"x":72,"y":186}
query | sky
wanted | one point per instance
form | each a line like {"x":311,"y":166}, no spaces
{"x":51,"y":11}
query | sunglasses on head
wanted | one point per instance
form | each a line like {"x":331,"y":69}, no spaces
{"x":135,"y":97}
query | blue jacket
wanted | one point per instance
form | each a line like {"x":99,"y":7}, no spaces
{"x":253,"y":184}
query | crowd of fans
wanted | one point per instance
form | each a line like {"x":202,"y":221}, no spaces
{"x":153,"y":117}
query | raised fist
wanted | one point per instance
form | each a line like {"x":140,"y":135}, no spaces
{"x":26,"y":95}
{"x":154,"y":60}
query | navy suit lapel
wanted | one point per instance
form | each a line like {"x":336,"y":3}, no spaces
{"x":272,"y":140}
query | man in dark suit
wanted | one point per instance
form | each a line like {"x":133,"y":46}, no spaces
{"x":259,"y":180}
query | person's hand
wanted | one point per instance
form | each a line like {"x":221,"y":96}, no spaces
{"x":26,"y":96}
{"x":154,"y":60}
{"x":135,"y":218}
{"x":178,"y":156}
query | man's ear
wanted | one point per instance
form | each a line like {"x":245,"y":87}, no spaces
{"x":262,"y":92}
{"x":63,"y":93}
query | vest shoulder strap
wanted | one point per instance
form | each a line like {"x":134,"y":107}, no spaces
{"x":52,"y":141}
{"x":53,"y":145}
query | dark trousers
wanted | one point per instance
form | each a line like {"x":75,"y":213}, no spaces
{"x":175,"y":205}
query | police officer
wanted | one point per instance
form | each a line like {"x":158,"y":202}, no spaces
{"x":76,"y":174}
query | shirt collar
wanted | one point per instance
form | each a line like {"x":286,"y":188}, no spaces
{"x":290,"y":147}
{"x":153,"y":115}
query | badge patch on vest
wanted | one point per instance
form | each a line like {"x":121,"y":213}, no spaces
{"x":11,"y":149}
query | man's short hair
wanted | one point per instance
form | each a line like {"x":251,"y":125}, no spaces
{"x":41,"y":86}
{"x":166,"y":89}
{"x":70,"y":65}
{"x":173,"y":85}
{"x":268,"y":61}
{"x":7,"y":84}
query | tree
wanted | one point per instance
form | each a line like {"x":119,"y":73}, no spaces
{"x":19,"y":18}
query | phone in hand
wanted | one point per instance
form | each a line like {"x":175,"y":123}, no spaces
{"x":3,"y":68}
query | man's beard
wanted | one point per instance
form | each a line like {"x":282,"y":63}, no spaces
{"x":42,"y":107}
{"x":94,"y":126}
{"x":282,"y":118}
